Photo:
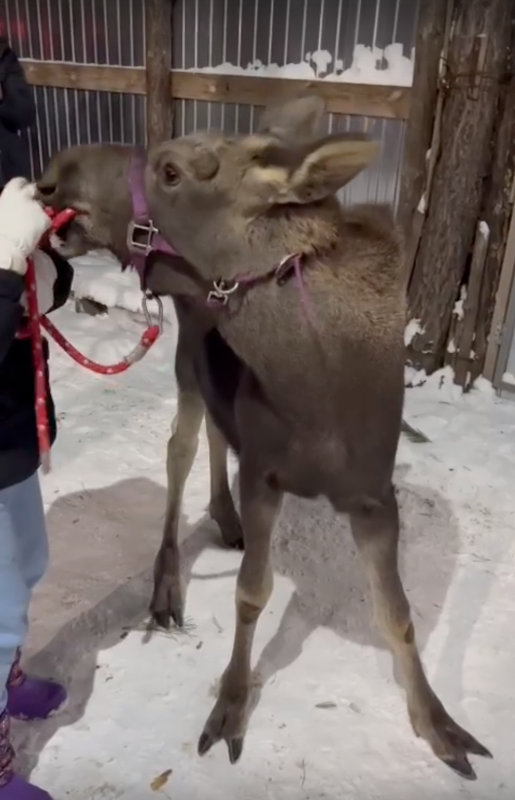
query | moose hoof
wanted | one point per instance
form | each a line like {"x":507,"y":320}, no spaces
{"x":227,"y":519}
{"x":451,"y":743}
{"x":164,"y":619}
{"x":166,"y":607}
{"x":237,"y":544}
{"x":226,"y":723}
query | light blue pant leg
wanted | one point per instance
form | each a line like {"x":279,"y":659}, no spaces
{"x":23,"y":562}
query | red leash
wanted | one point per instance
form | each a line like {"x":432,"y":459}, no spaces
{"x":36,"y":322}
{"x":39,"y":367}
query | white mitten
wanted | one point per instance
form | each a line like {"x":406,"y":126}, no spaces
{"x":46,"y":276}
{"x":22,"y":224}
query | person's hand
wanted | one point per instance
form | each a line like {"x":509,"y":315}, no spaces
{"x":23,"y":222}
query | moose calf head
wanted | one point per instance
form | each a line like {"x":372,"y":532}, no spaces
{"x":225,"y":201}
{"x":93,"y":180}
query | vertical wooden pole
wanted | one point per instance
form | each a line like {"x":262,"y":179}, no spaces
{"x":428,"y":50}
{"x":158,"y":30}
{"x":497,"y":212}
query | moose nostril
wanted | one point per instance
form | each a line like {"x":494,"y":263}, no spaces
{"x":47,"y":191}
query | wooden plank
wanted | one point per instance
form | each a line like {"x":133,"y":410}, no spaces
{"x":471,"y":305}
{"x":497,"y":209}
{"x":86,"y":77}
{"x":413,"y":225}
{"x":429,"y":45}
{"x":498,"y":345}
{"x":158,"y":61}
{"x":387,"y":102}
{"x":368,"y":100}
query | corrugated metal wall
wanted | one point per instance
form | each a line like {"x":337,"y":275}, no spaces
{"x":84,"y":32}
{"x":205,"y":33}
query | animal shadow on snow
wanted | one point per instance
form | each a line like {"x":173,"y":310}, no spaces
{"x":108,"y":594}
{"x":313,"y":547}
{"x":103,"y":545}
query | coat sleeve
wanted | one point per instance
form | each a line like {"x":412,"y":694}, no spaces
{"x":17,"y":106}
{"x":11,"y":290}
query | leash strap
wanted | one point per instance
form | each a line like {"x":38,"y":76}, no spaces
{"x":36,"y":322}
{"x":40,"y":384}
{"x":148,"y":338}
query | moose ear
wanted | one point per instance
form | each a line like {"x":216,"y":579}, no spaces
{"x":47,"y":185}
{"x":325,"y":166}
{"x":297,"y":118}
{"x":60,"y":180}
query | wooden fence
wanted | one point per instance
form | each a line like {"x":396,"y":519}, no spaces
{"x":99,"y":75}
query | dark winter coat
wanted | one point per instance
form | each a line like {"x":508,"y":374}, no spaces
{"x":19,"y":452}
{"x":17,"y":112}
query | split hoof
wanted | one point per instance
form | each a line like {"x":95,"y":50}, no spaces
{"x":463,"y":745}
{"x":227,"y":519}
{"x":227,"y":723}
{"x":451,"y":743}
{"x":167,"y":607}
{"x":164,"y":619}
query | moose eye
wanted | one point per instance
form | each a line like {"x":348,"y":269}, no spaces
{"x":171,"y":175}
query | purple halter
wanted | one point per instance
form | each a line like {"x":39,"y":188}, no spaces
{"x":143,"y":238}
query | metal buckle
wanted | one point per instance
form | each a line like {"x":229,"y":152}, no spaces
{"x":221,"y":292}
{"x":146,"y":229}
{"x":149,"y":296}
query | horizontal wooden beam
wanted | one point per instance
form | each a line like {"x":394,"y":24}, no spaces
{"x":357,"y":99}
{"x":85,"y":77}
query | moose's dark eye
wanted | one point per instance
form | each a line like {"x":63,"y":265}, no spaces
{"x":171,"y":175}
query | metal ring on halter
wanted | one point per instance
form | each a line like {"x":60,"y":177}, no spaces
{"x":224,"y":287}
{"x":221,"y":291}
{"x":160,"y":314}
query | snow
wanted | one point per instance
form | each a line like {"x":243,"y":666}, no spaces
{"x":370,"y":65}
{"x":413,"y":328}
{"x":484,"y":229}
{"x":422,"y":204}
{"x":331,"y":721}
{"x":458,"y":309}
{"x":508,"y":378}
{"x":98,"y":276}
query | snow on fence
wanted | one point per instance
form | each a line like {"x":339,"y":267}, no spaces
{"x":86,"y":59}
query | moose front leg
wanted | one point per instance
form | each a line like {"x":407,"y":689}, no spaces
{"x":228,"y":720}
{"x":167,"y":600}
{"x":376,"y":532}
{"x":221,"y":504}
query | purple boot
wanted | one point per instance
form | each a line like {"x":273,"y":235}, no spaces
{"x":33,"y":698}
{"x":12,"y":787}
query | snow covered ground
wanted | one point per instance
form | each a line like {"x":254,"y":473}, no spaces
{"x":331,"y":722}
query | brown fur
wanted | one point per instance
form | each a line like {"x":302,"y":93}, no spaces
{"x":311,"y":408}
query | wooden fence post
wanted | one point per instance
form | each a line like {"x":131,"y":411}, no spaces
{"x":477,"y":61}
{"x":158,"y":33}
{"x":497,"y":209}
{"x":428,"y":50}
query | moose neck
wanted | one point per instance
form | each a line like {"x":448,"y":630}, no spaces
{"x":254,"y":248}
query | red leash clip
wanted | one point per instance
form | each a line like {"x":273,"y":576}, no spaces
{"x":150,"y":335}
{"x":59,"y":219}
